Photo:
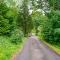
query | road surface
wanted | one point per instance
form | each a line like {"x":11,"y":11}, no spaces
{"x":36,"y":50}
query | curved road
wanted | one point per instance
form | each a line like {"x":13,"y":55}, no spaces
{"x":36,"y":50}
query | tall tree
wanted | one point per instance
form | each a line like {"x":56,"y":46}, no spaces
{"x":24,"y":19}
{"x":7,"y":18}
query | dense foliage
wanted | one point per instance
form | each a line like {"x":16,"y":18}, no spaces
{"x":55,"y":4}
{"x":10,"y":35}
{"x":48,"y":25}
{"x":54,"y":17}
{"x":7,"y":19}
{"x":19,"y":19}
{"x":36,"y":20}
{"x":24,"y":19}
{"x":3,"y":21}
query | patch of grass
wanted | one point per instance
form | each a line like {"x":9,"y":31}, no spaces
{"x":54,"y":47}
{"x":7,"y":49}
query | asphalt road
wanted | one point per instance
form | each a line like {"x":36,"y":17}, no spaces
{"x":36,"y":50}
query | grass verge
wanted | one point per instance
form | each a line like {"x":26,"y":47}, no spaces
{"x":55,"y":48}
{"x":7,"y":49}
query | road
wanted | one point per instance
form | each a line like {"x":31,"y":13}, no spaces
{"x":36,"y":50}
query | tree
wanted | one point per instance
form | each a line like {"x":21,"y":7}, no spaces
{"x":24,"y":19}
{"x":7,"y":19}
{"x":55,"y":4}
{"x":4,"y":26}
{"x":36,"y":20}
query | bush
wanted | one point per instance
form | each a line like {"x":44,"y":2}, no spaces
{"x":51,"y":27}
{"x":4,"y":25}
{"x":16,"y":36}
{"x":57,"y":35}
{"x":7,"y":19}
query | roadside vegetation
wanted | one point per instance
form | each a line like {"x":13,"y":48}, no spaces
{"x":20,"y":18}
{"x":11,"y":34}
{"x":47,"y":26}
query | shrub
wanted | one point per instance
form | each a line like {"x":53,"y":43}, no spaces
{"x":16,"y":36}
{"x":51,"y":27}
{"x":4,"y":25}
{"x":57,"y":35}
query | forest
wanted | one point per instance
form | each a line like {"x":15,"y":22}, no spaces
{"x":19,"y":18}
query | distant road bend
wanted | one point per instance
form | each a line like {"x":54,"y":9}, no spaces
{"x":36,"y":50}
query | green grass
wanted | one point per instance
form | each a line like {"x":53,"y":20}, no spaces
{"x":7,"y":49}
{"x":54,"y":47}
